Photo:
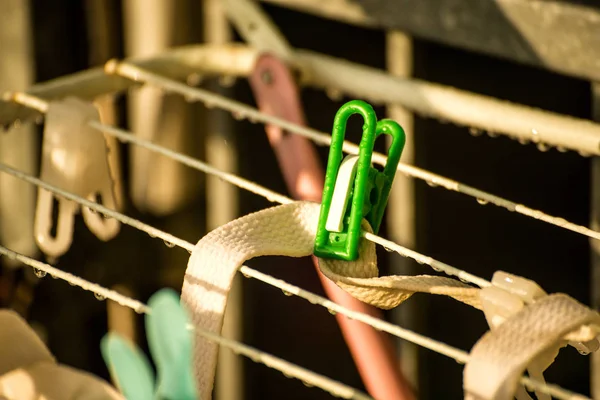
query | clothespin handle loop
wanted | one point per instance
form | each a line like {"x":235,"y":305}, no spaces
{"x":327,"y":245}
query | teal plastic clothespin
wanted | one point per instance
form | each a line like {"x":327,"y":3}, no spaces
{"x":170,"y":344}
{"x":354,"y":189}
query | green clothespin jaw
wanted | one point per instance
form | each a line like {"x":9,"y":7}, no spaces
{"x":353,"y":188}
{"x":170,"y":344}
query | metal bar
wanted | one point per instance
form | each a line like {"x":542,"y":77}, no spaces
{"x":446,"y":103}
{"x":222,"y":206}
{"x":553,"y":34}
{"x":595,"y":246}
{"x":401,"y":206}
{"x":18,"y":148}
{"x":427,"y":99}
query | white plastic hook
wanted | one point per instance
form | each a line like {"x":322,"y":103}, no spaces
{"x":74,"y":158}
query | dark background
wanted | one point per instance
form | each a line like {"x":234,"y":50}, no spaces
{"x":450,"y":227}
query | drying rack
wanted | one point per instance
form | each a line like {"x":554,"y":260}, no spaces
{"x":171,"y":69}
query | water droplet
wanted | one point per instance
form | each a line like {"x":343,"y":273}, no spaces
{"x":237,"y":115}
{"x":543,"y":147}
{"x":169,"y":244}
{"x":475,"y":131}
{"x":53,"y":276}
{"x":332,"y":312}
{"x":287,"y":375}
{"x":523,"y":141}
{"x":436,"y":268}
{"x":152,"y":235}
{"x":583,"y":352}
{"x":194,"y":79}
{"x":71,"y":283}
{"x":561,"y":149}
{"x":307,"y":384}
{"x":431,"y":183}
{"x":39,"y":273}
{"x":482,"y":202}
{"x":334,"y":94}
{"x":227,"y":80}
{"x":245,"y":275}
{"x":285,"y":292}
{"x":584,"y":154}
{"x":388,"y":249}
{"x":98,"y":296}
{"x":492,"y":134}
{"x":536,"y":135}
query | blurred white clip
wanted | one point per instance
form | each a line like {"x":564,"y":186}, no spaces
{"x":75,"y":159}
{"x":506,"y":297}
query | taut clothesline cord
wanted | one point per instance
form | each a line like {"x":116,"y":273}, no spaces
{"x":125,"y":136}
{"x":241,"y":110}
{"x":424,"y":341}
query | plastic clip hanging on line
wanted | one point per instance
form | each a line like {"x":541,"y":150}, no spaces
{"x":508,"y":295}
{"x":353,"y":188}
{"x":74,"y":159}
{"x":170,"y":343}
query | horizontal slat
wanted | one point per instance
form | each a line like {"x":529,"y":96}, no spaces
{"x":557,"y":35}
{"x":424,"y":98}
{"x":179,"y":63}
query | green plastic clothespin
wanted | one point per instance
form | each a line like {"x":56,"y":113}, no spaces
{"x":170,"y":344}
{"x":354,"y":189}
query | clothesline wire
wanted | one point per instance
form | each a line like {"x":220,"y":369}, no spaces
{"x":240,"y":111}
{"x":272,"y":196}
{"x":253,"y":187}
{"x":287,"y":368}
{"x":424,"y":341}
{"x":104,"y":293}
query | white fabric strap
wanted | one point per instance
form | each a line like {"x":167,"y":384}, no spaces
{"x":287,"y":230}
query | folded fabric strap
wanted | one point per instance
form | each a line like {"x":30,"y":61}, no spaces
{"x":29,"y":372}
{"x":287,"y":230}
{"x":500,"y":357}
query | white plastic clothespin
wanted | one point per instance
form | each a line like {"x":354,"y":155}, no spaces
{"x":506,"y":297}
{"x":75,"y":159}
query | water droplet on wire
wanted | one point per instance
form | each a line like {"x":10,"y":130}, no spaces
{"x":227,"y":80}
{"x":98,"y":296}
{"x":39,"y":273}
{"x":334,"y":94}
{"x":482,"y":202}
{"x":475,"y":131}
{"x":543,"y":147}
